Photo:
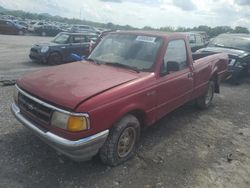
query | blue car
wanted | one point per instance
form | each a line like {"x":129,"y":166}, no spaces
{"x":61,"y":48}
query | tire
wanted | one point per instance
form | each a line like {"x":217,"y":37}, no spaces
{"x":206,"y":100}
{"x":121,"y":142}
{"x":54,"y":58}
{"x":44,"y":34}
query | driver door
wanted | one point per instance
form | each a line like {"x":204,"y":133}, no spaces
{"x":174,"y":86}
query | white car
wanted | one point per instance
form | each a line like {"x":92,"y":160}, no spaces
{"x":34,"y":25}
{"x":83,"y":28}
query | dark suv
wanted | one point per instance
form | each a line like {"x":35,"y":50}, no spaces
{"x":59,"y":50}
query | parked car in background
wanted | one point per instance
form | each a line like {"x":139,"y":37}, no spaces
{"x":129,"y":81}
{"x":35,"y":25}
{"x":99,"y":38}
{"x":83,"y":28}
{"x":196,"y":40}
{"x":48,"y":30}
{"x":9,"y":27}
{"x":203,"y":35}
{"x":59,"y":50}
{"x":237,"y":46}
{"x":22,"y":23}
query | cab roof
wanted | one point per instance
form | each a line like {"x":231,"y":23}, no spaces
{"x":152,"y":33}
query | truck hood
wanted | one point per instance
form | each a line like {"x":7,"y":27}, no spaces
{"x":229,"y":51}
{"x":68,"y":85}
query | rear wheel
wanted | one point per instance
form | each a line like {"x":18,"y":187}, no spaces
{"x":55,"y":58}
{"x":120,"y":144}
{"x":206,"y":100}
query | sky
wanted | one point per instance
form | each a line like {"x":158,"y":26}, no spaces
{"x":140,"y":13}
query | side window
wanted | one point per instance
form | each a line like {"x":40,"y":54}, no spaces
{"x":199,"y":39}
{"x":176,"y":56}
{"x":191,"y":39}
{"x":79,"y":39}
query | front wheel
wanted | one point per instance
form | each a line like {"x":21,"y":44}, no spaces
{"x":120,"y":144}
{"x":55,"y":58}
{"x":206,"y":100}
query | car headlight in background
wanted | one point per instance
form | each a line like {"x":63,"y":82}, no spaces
{"x":238,"y":64}
{"x":44,"y":49}
{"x":70,"y":122}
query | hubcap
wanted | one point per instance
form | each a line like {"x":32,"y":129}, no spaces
{"x":126,"y":142}
{"x":209,"y":95}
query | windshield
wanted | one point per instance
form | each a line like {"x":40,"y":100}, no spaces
{"x":241,"y":43}
{"x":61,"y":39}
{"x":130,"y":50}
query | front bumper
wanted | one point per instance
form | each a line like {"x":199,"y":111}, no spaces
{"x":79,"y":150}
{"x":36,"y":56}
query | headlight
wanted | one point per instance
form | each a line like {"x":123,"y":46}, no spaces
{"x":44,"y":49}
{"x":15,"y":95}
{"x":70,"y":122}
{"x":238,"y":64}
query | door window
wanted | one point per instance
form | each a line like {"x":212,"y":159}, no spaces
{"x":176,"y":53}
{"x":199,"y":39}
{"x":79,"y":39}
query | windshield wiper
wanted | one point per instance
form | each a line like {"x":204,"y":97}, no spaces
{"x":123,"y":66}
{"x":229,"y":47}
{"x":234,"y":48}
{"x":219,"y":45}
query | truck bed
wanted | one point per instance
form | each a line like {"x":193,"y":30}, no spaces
{"x":199,"y":55}
{"x":206,"y":63}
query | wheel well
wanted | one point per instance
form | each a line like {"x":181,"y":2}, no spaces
{"x":140,"y":115}
{"x":216,"y":83}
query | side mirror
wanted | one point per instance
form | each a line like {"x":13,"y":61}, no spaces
{"x":173,"y":66}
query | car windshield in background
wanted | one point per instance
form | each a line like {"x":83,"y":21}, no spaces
{"x":240,"y":43}
{"x":128,"y":51}
{"x":61,"y":39}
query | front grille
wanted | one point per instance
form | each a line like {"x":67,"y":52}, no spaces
{"x":34,"y":50}
{"x":34,"y":111}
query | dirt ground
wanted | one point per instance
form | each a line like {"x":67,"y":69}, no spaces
{"x":188,"y":148}
{"x":14,"y":55}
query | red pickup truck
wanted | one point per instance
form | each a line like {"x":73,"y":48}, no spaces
{"x":129,"y":81}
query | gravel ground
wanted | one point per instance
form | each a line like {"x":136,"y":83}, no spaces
{"x":14,"y":55}
{"x":187,"y":148}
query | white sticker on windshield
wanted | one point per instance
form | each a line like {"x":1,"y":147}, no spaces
{"x":145,"y":39}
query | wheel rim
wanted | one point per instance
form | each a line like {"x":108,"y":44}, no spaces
{"x":126,"y":142}
{"x":209,"y":95}
{"x":55,"y":59}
